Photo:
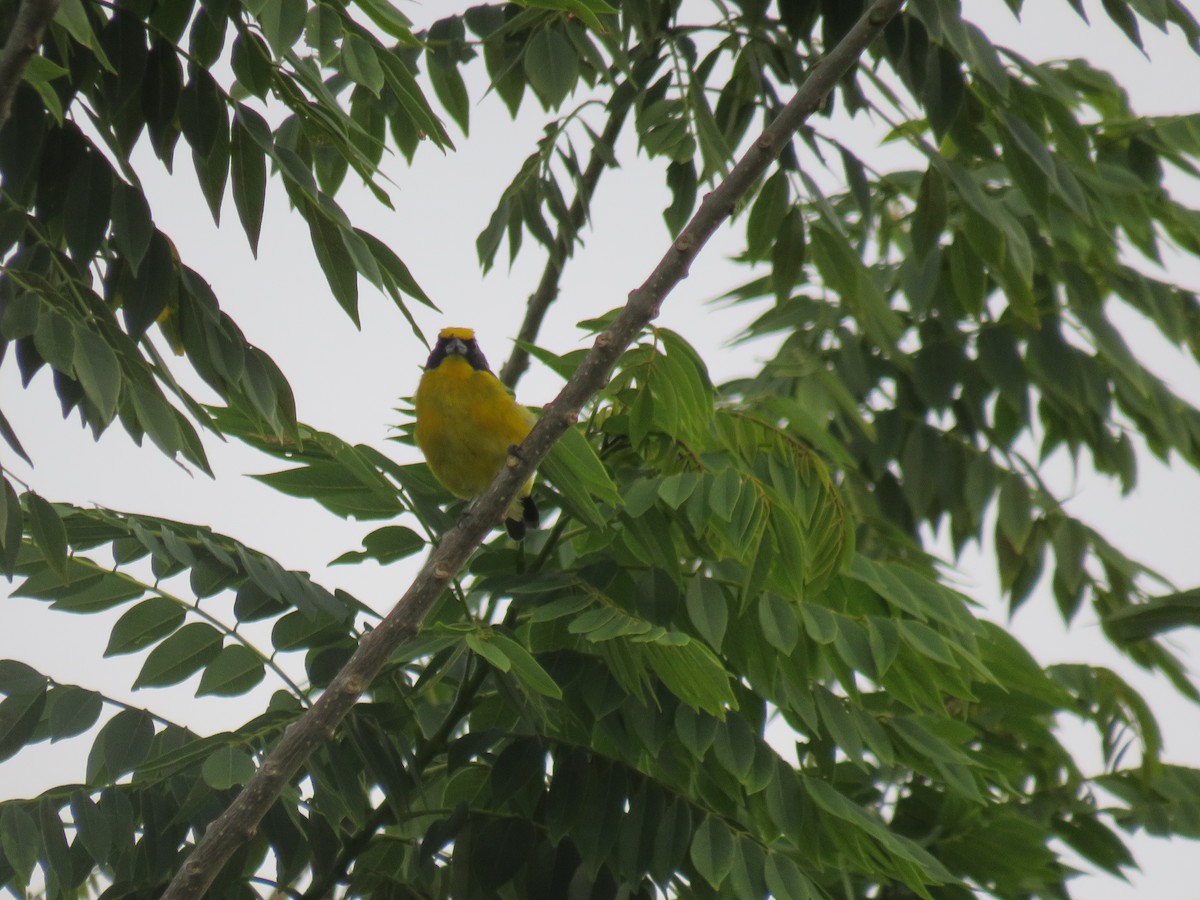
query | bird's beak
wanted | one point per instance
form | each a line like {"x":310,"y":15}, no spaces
{"x":456,"y":346}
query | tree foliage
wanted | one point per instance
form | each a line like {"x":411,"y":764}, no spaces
{"x":730,"y":667}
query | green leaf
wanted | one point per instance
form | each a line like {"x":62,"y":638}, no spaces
{"x":48,"y":533}
{"x":765,"y":222}
{"x":694,"y":674}
{"x":227,"y":767}
{"x":88,"y":204}
{"x":393,"y":22}
{"x":585,"y":10}
{"x":144,"y":294}
{"x":19,"y":678}
{"x":526,"y":668}
{"x":144,"y":624}
{"x":1140,"y":621}
{"x":450,"y":88}
{"x":712,"y":850}
{"x":788,"y":254}
{"x":39,"y":72}
{"x":251,"y":61}
{"x":1015,"y":518}
{"x":91,"y":825}
{"x":785,"y":881}
{"x":386,"y":545}
{"x":335,"y":263}
{"x":20,"y":714}
{"x":844,"y":271}
{"x":235,"y":670}
{"x":97,"y":369}
{"x":21,"y":840}
{"x":10,"y":438}
{"x":181,"y":655}
{"x":54,"y":338}
{"x":486,"y":647}
{"x":777,"y":618}
{"x":73,"y":17}
{"x":838,"y":805}
{"x":361,"y":64}
{"x":282,"y":23}
{"x":573,"y":467}
{"x":132,"y":226}
{"x":551,"y":65}
{"x":122,"y":743}
{"x":708,"y":608}
{"x":72,"y":710}
{"x":249,"y":166}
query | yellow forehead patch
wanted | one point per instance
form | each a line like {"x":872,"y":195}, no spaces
{"x":463,"y":334}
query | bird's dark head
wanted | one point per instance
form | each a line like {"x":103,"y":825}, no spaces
{"x":457,"y":342}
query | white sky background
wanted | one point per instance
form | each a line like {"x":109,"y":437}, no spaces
{"x":347,"y":382}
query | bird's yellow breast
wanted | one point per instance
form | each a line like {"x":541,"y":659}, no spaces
{"x":466,"y":421}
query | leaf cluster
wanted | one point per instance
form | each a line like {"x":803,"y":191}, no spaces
{"x":728,"y":666}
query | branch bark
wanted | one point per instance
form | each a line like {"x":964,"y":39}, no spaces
{"x":23,"y":41}
{"x":239,"y":821}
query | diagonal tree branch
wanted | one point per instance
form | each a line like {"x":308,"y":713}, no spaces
{"x":26,"y":36}
{"x":237,"y":823}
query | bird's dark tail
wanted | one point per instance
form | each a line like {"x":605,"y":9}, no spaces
{"x":530,"y":518}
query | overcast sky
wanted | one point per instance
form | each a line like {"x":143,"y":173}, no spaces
{"x":348,"y":382}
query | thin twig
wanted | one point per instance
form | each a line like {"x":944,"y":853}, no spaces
{"x":238,"y":822}
{"x":547,"y":289}
{"x":23,"y":41}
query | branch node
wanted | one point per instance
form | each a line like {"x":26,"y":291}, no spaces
{"x":604,"y":339}
{"x":354,"y":685}
{"x":685,"y":243}
{"x":441,"y":573}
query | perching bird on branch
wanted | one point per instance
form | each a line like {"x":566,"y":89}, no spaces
{"x":467,"y":421}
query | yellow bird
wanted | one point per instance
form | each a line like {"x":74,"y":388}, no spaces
{"x":466,"y":423}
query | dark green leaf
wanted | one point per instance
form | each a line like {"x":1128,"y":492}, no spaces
{"x":144,"y":624}
{"x":1140,"y":621}
{"x":235,"y":670}
{"x":88,"y":204}
{"x":97,"y":369}
{"x":72,"y":711}
{"x":20,"y":839}
{"x":132,"y":226}
{"x":48,"y":533}
{"x":249,"y":165}
{"x":708,"y":608}
{"x":712,"y":850}
{"x":282,"y":23}
{"x":181,"y":655}
{"x":252,"y":63}
{"x":227,"y":767}
{"x":361,"y":64}
{"x":144,"y":295}
{"x":20,"y":714}
{"x":551,"y":65}
{"x":386,"y":545}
